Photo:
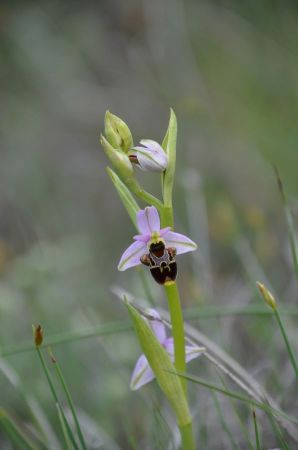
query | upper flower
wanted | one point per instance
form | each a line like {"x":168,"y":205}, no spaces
{"x":150,"y":157}
{"x":117,"y":132}
{"x":150,"y":232}
{"x":143,"y":373}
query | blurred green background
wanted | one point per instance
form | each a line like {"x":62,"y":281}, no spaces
{"x":230,"y":70}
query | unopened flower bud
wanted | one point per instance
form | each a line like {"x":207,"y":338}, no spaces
{"x":121,"y":163}
{"x":38,"y":335}
{"x":267,"y":296}
{"x":151,"y":157}
{"x":117,"y":132}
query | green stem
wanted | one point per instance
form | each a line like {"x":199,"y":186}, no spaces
{"x":288,"y":345}
{"x":173,"y":297}
{"x":167,"y":217}
{"x":187,"y":437}
{"x":149,"y":198}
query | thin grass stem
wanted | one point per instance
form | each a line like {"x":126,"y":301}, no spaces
{"x":55,"y":396}
{"x":289,"y":222}
{"x":287,"y":342}
{"x":257,"y":437}
{"x":223,"y":421}
{"x":64,"y":430}
{"x":69,"y":400}
{"x":263,"y":406}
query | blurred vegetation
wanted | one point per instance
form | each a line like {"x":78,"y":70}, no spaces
{"x":230,"y":70}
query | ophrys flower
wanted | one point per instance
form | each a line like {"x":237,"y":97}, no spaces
{"x":142,"y":373}
{"x":155,"y":247}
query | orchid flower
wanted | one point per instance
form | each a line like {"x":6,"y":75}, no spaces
{"x":151,"y":157}
{"x":142,"y":373}
{"x":148,"y":223}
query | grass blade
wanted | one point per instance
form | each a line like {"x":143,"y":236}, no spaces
{"x":289,"y":221}
{"x":223,"y":421}
{"x":14,"y":432}
{"x":55,"y":396}
{"x":64,"y":430}
{"x":63,"y":338}
{"x":69,"y":400}
{"x":287,"y":342}
{"x":258,"y":445}
{"x":263,"y":406}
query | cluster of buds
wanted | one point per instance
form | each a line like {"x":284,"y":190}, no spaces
{"x":154,"y":246}
{"x":119,"y":147}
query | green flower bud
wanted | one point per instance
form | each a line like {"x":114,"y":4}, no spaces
{"x":121,"y":163}
{"x":267,"y":296}
{"x":117,"y":132}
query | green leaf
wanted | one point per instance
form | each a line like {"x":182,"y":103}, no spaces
{"x":125,"y":195}
{"x":169,"y":146}
{"x":263,"y":406}
{"x":162,"y":367}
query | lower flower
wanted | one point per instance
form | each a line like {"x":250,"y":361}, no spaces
{"x":142,"y":373}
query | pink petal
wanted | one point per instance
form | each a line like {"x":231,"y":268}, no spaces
{"x":157,"y":326}
{"x":152,"y":159}
{"x":148,"y":220}
{"x":149,"y":143}
{"x":142,"y":374}
{"x":191,"y":352}
{"x":181,"y":243}
{"x":142,"y":237}
{"x":169,"y":346}
{"x":131,"y":256}
{"x":164,"y":231}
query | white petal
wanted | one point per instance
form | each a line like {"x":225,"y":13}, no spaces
{"x":152,"y":161}
{"x":181,"y":243}
{"x":149,"y":143}
{"x":142,"y":374}
{"x":131,"y":256}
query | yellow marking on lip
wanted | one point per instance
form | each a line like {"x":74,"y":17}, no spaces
{"x":169,"y":283}
{"x":155,"y":238}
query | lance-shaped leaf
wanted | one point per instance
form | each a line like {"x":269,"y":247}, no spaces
{"x":161,"y":366}
{"x":125,"y":195}
{"x":169,"y":146}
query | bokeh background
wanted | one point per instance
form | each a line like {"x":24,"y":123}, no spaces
{"x":229,"y":69}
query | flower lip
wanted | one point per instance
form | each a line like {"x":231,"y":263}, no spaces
{"x":149,"y":157}
{"x":148,"y":223}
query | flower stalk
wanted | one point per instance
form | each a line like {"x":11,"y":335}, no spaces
{"x":156,"y":246}
{"x":174,"y":303}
